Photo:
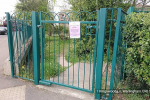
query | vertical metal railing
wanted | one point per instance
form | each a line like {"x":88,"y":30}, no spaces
{"x":111,"y":21}
{"x":53,"y":49}
{"x":10,"y":43}
{"x":20,"y":35}
{"x":118,"y":57}
{"x":115,"y":49}
{"x":100,"y":51}
{"x":53,"y":44}
{"x":36,"y":47}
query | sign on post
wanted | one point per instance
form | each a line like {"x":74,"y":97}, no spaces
{"x":74,"y":28}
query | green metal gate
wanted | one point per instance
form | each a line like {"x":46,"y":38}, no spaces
{"x":110,"y":54}
{"x":60,"y":62}
{"x":91,"y":63}
{"x":97,"y":34}
{"x":20,"y":45}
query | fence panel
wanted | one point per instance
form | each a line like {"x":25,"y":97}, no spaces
{"x":20,"y":45}
{"x":68,"y":61}
{"x":110,"y":59}
{"x":118,"y":56}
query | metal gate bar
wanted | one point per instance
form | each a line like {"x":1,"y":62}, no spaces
{"x":43,"y":54}
{"x":20,"y":41}
{"x":65,"y":61}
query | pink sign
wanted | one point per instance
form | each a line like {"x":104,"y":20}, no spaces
{"x":74,"y":28}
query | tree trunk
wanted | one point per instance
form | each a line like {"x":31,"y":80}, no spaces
{"x":134,"y":3}
{"x":143,"y":4}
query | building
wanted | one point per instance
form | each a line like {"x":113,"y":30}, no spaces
{"x":64,"y":17}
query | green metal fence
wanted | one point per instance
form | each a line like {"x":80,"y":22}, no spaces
{"x":20,"y":44}
{"x":57,"y":47}
{"x":118,"y":55}
{"x":109,"y":52}
{"x":137,"y":10}
{"x":91,"y":63}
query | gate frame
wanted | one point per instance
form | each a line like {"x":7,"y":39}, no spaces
{"x":115,"y":49}
{"x":46,"y":82}
{"x":10,"y":42}
{"x":100,"y":50}
{"x":36,"y":47}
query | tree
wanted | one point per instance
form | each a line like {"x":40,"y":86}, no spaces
{"x":92,"y":5}
{"x":138,"y":2}
{"x":32,"y":5}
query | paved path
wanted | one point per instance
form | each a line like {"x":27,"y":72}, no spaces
{"x":79,"y":74}
{"x":18,"y":89}
{"x":4,"y":53}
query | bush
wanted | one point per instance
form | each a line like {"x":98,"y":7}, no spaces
{"x":137,"y":38}
{"x":87,"y":40}
{"x":63,"y":30}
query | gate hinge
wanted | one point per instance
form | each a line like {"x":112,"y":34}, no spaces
{"x":39,"y":26}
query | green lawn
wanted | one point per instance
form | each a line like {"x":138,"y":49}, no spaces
{"x":77,"y":52}
{"x":54,"y":47}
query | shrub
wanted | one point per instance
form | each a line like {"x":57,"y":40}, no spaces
{"x":63,"y":30}
{"x":137,"y":38}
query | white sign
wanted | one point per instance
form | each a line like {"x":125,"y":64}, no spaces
{"x":74,"y":28}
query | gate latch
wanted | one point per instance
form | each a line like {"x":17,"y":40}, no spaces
{"x":91,"y":26}
{"x":39,"y":26}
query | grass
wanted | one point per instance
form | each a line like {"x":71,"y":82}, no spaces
{"x":54,"y":47}
{"x":88,"y":58}
{"x":132,"y":96}
{"x":26,"y":70}
{"x":74,"y":57}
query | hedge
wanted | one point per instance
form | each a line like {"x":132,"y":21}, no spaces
{"x":137,"y":59}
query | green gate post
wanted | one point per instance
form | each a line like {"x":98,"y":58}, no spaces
{"x":130,"y":10}
{"x":100,"y":50}
{"x":115,"y":49}
{"x":10,"y":43}
{"x":36,"y":47}
{"x":42,"y":52}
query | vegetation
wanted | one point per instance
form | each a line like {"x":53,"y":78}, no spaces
{"x":137,"y":38}
{"x":109,"y":3}
{"x":129,"y":96}
{"x":32,"y":5}
{"x":86,"y":5}
{"x":91,"y":6}
{"x":26,"y":70}
{"x":51,"y":55}
{"x":63,"y":30}
{"x":139,"y":2}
